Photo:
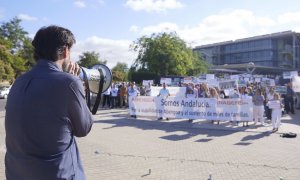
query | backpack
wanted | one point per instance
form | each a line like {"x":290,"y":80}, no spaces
{"x":289,"y":135}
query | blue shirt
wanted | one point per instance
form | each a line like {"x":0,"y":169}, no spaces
{"x":45,"y":109}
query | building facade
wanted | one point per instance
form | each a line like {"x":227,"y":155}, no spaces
{"x":277,"y":50}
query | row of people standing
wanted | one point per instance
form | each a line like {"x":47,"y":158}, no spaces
{"x":117,"y":95}
{"x":262,"y":100}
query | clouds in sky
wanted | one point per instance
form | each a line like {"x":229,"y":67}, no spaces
{"x":153,"y":5}
{"x":26,"y":17}
{"x":224,"y":26}
{"x":80,"y":3}
{"x":111,"y":50}
{"x":220,"y":27}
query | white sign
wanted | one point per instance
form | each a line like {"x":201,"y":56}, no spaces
{"x":274,"y":104}
{"x":229,"y":84}
{"x":210,"y":76}
{"x":267,"y":82}
{"x":296,"y":83}
{"x":289,"y":74}
{"x":168,"y":81}
{"x":174,"y":91}
{"x":257,"y":80}
{"x":212,"y":83}
{"x":235,"y":77}
{"x":281,"y":89}
{"x":147,"y":82}
{"x":188,"y":80}
{"x":193,"y":108}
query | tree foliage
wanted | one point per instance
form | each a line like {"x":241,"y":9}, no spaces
{"x":120,"y":72}
{"x":166,"y":54}
{"x":89,"y":59}
{"x":13,"y":32}
{"x":6,"y":60}
{"x":16,"y":51}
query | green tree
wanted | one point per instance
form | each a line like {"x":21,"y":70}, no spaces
{"x":15,"y":40}
{"x":27,"y":53}
{"x":6,"y":59}
{"x":13,"y":32}
{"x":120,"y":72}
{"x":166,"y":54}
{"x":89,"y":59}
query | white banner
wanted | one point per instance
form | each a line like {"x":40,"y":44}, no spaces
{"x":296,"y":83}
{"x":193,"y":108}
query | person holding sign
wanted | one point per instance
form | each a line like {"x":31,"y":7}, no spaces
{"x":276,"y":106}
{"x":164,"y":93}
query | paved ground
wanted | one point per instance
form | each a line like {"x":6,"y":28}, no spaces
{"x":122,"y":148}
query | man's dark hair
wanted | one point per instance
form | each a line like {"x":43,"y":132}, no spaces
{"x":49,"y":42}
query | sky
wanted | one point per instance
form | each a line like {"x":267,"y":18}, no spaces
{"x":109,"y":27}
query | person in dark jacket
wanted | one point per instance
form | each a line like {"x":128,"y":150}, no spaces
{"x":45,"y":111}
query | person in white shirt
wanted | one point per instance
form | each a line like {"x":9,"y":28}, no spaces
{"x":276,"y":111}
{"x":106,"y":98}
{"x":164,"y":93}
{"x":114,"y":95}
{"x":269,"y":97}
{"x":132,"y":92}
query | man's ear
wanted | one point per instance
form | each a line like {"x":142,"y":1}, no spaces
{"x":65,"y":52}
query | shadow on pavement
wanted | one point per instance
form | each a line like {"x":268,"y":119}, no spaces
{"x":253,"y":137}
{"x":294,"y":118}
{"x":169,"y":127}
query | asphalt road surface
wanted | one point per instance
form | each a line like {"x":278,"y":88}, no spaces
{"x":2,"y":104}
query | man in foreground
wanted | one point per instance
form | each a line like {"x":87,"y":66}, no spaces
{"x":45,"y":110}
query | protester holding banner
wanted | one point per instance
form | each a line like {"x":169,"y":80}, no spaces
{"x":276,"y":106}
{"x":164,"y":93}
{"x":243,"y":93}
{"x":204,"y":91}
{"x":191,"y":92}
{"x":132,"y":92}
{"x":148,"y":90}
{"x":214,"y":94}
{"x":258,"y":107}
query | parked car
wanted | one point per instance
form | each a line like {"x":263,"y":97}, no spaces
{"x":4,"y":91}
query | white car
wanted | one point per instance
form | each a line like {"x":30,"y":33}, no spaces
{"x":4,"y":91}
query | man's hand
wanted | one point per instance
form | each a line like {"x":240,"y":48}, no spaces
{"x":73,"y":68}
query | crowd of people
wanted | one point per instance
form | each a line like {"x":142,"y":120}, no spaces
{"x":267,"y":104}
